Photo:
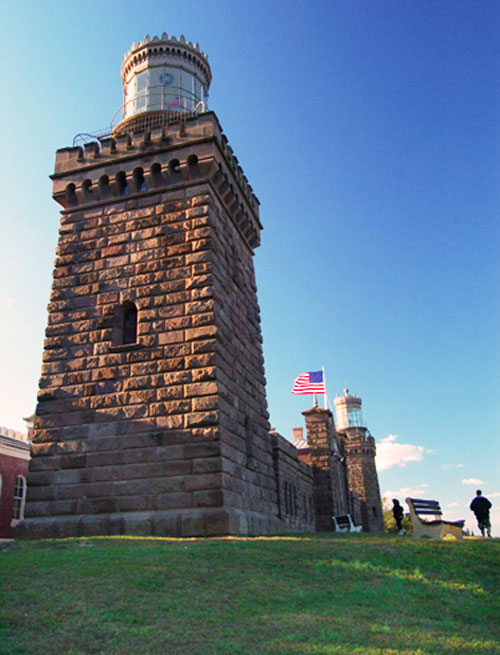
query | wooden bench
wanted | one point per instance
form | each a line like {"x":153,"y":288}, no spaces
{"x":437,"y":528}
{"x":345,"y":524}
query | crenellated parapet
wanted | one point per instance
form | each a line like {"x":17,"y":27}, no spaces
{"x":358,"y":442}
{"x":134,"y":165}
{"x":164,"y":48}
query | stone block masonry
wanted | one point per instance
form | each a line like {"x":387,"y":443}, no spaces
{"x":295,"y":484}
{"x":359,"y":448}
{"x":330,"y":484}
{"x":165,"y":433}
{"x":152,"y":414}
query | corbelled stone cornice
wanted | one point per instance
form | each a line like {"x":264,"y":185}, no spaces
{"x":142,"y":163}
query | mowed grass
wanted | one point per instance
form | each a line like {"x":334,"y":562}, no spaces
{"x":290,"y":595}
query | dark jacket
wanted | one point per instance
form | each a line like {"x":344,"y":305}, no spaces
{"x":398,"y":511}
{"x":481,"y":507}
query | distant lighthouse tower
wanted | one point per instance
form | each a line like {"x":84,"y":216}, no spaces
{"x":359,"y":448}
{"x":152,"y":415}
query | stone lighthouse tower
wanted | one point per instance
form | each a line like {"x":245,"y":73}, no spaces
{"x":359,"y":448}
{"x":152,"y":416}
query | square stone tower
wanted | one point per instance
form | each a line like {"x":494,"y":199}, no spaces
{"x":330,"y":485}
{"x":152,"y":415}
{"x":359,"y":447}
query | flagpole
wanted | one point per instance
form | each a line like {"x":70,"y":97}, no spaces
{"x":324,"y":382}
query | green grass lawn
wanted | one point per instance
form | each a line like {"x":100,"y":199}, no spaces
{"x":306,"y":594}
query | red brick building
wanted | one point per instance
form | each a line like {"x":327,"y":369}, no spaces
{"x":14,"y":460}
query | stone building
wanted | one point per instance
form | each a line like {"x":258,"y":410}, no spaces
{"x":152,"y":414}
{"x":340,"y":462}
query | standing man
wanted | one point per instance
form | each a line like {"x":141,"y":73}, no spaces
{"x":398,"y":513}
{"x":481,"y":508}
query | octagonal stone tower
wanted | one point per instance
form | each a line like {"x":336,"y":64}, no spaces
{"x":152,"y":415}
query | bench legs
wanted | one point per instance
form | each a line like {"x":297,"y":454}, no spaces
{"x":437,"y":531}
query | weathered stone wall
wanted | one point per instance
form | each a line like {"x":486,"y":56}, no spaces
{"x":295,"y":482}
{"x":363,"y":479}
{"x":330,"y":492}
{"x":248,"y":476}
{"x":169,"y":434}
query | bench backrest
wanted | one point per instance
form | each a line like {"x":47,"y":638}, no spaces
{"x":345,"y":524}
{"x":426,"y":506}
{"x":343,"y":521}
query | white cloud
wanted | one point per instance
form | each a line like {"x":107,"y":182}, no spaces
{"x":452,"y":505}
{"x":460,"y":466}
{"x":390,"y":453}
{"x":402,"y":493}
{"x":496,"y":494}
{"x":10,"y":302}
{"x":447,"y":467}
{"x":472,"y":481}
{"x":430,"y":451}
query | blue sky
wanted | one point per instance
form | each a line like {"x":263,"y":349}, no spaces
{"x":369,"y":130}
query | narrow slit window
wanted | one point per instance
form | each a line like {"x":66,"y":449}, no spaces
{"x":129,"y":324}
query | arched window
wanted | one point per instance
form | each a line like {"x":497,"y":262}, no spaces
{"x":121,"y":181}
{"x":19,"y":498}
{"x":71,"y":198}
{"x":104,"y":188}
{"x":140,"y":182}
{"x":129,"y":322}
{"x":174,"y":169}
{"x":88,"y":193}
{"x":156,"y":174}
{"x":193,"y":168}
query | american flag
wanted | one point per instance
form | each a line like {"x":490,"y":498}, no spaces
{"x":312,"y":382}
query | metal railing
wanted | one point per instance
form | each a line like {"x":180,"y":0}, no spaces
{"x":142,"y":121}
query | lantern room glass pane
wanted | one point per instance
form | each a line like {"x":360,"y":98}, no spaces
{"x":165,"y":88}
